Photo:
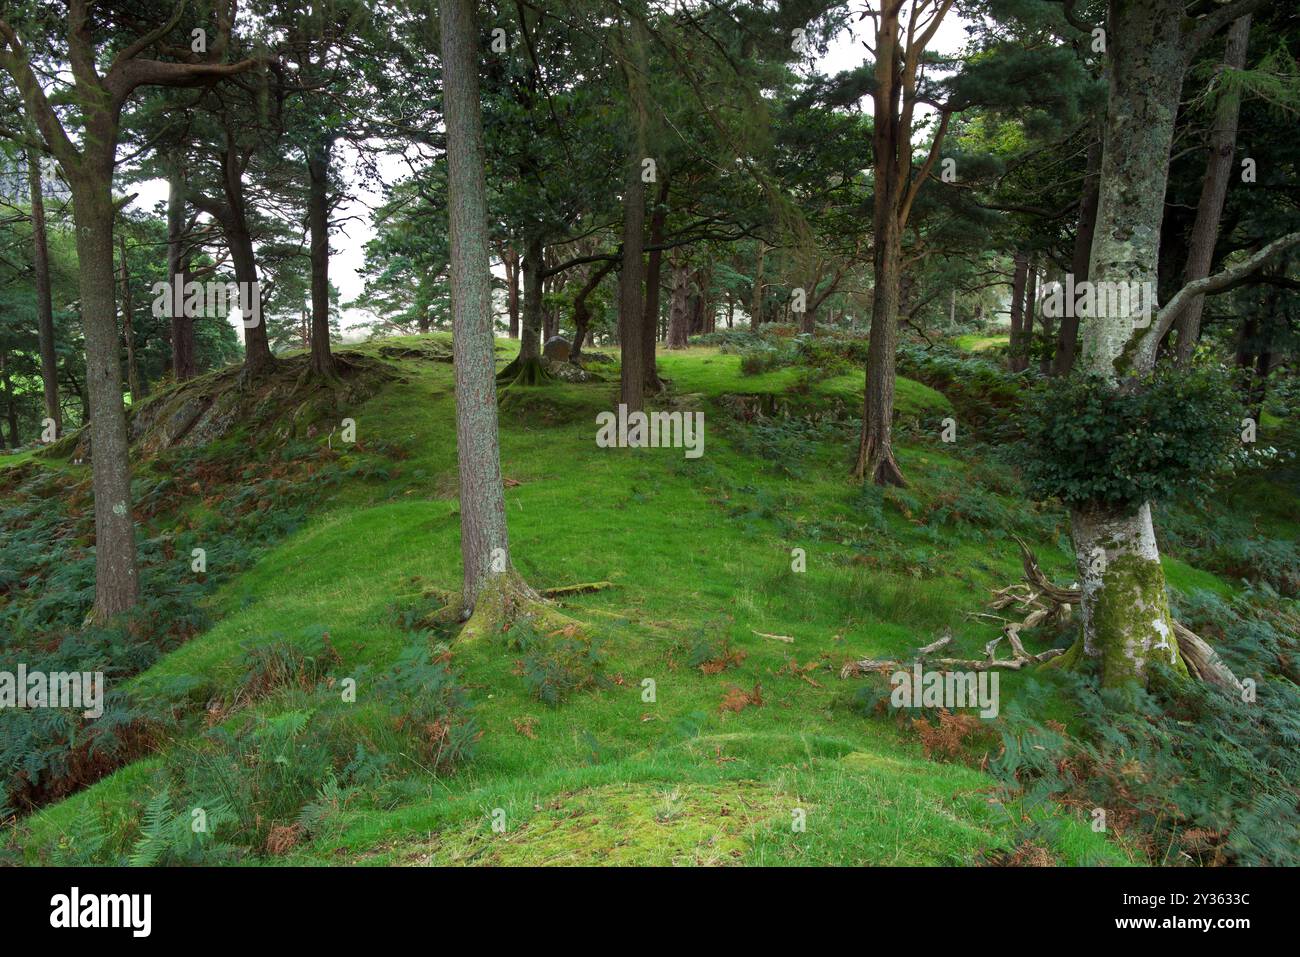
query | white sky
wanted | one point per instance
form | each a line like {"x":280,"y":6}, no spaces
{"x":347,"y":244}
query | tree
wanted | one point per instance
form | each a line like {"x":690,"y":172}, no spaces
{"x":899,"y":57}
{"x":87,"y":164}
{"x":1125,"y":610}
{"x":44,"y":301}
{"x":492,"y":591}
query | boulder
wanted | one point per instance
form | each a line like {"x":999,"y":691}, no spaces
{"x":556,"y":349}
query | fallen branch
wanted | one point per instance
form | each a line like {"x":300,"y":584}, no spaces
{"x":786,"y":638}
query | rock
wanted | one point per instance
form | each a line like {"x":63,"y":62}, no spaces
{"x":556,"y":349}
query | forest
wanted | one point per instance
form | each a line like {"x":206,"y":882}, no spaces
{"x":612,"y":433}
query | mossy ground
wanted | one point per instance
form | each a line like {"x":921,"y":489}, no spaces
{"x":695,"y":548}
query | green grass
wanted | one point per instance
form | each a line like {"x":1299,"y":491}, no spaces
{"x":696,"y":549}
{"x":978,"y":343}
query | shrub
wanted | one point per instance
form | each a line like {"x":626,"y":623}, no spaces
{"x":1089,"y":443}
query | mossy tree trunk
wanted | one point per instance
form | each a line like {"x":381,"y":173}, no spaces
{"x":1125,"y":620}
{"x":1125,"y":608}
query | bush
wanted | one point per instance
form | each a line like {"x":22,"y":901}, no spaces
{"x":1089,"y":443}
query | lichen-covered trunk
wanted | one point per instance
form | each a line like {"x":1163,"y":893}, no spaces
{"x":44,"y":300}
{"x":116,"y":585}
{"x":1124,"y":622}
{"x":483,"y":541}
{"x":1125,"y":607}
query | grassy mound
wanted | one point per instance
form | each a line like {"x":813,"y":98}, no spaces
{"x":708,"y":763}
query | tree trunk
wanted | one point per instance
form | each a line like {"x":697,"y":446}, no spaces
{"x":484,"y":543}
{"x":1018,"y":279}
{"x":116,"y":586}
{"x":678,"y":318}
{"x":550,"y":321}
{"x":581,"y":316}
{"x":1027,"y":328}
{"x":44,"y":299}
{"x":631,"y":289}
{"x":756,"y":300}
{"x":11,"y":407}
{"x":653,"y":281}
{"x":876,"y":446}
{"x":182,"y":325}
{"x":257,"y":347}
{"x":1053,"y":274}
{"x":1068,"y":335}
{"x":530,"y":334}
{"x":322,"y":360}
{"x":511,"y":261}
{"x":1124,"y":613}
{"x":1214,"y":188}
{"x":137,"y":387}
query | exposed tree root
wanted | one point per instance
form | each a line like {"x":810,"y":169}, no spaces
{"x":505,"y":600}
{"x":1038,"y":600}
{"x":563,"y":591}
{"x":525,"y":372}
{"x":875,"y":463}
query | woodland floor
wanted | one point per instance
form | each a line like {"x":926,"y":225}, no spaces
{"x":699,"y":552}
